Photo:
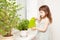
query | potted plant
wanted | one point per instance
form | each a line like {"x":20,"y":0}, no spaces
{"x":8,"y":18}
{"x":23,"y":27}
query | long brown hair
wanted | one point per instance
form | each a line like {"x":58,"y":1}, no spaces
{"x":46,"y":9}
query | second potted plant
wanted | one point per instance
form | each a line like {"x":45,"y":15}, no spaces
{"x":23,"y":27}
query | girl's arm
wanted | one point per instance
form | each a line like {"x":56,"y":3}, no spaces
{"x":37,"y":19}
{"x":42,"y":29}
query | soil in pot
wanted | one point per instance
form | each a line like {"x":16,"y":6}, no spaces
{"x":7,"y":37}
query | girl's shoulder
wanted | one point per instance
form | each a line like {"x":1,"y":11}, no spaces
{"x":46,"y":20}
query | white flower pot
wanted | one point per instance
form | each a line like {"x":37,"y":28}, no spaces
{"x":7,"y":38}
{"x":24,"y":33}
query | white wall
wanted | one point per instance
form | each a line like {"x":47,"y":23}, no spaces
{"x":56,"y":24}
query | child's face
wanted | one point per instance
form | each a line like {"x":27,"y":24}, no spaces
{"x":42,"y":13}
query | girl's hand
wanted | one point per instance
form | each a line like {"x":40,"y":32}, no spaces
{"x":34,"y":28}
{"x":35,"y":18}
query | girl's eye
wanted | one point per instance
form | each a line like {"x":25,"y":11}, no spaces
{"x":40,"y":12}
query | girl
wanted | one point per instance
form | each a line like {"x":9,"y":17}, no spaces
{"x":44,"y":21}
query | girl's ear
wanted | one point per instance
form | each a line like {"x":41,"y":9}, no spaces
{"x":46,"y":12}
